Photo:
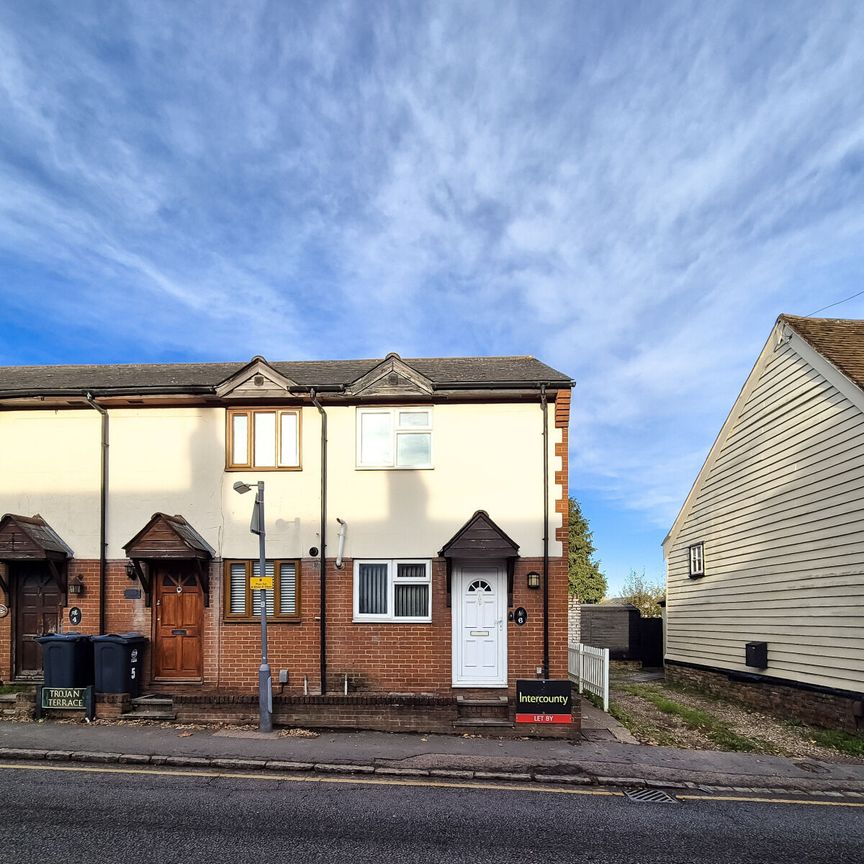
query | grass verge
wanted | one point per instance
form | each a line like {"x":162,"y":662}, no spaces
{"x":641,"y":730}
{"x":13,"y":688}
{"x":718,"y":731}
{"x":843,"y":742}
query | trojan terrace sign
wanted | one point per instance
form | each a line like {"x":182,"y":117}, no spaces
{"x":547,"y":701}
{"x":67,"y":699}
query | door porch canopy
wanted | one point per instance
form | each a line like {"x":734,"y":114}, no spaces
{"x":481,"y":539}
{"x":168,"y":538}
{"x":32,"y":539}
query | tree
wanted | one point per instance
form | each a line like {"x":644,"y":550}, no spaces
{"x":586,"y":580}
{"x":644,"y":594}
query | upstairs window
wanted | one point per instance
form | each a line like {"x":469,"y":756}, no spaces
{"x":266,"y":439}
{"x":697,"y":560}
{"x":392,"y":591}
{"x":394,"y":437}
{"x":242,"y":603}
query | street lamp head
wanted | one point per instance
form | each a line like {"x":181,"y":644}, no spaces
{"x":241,"y":487}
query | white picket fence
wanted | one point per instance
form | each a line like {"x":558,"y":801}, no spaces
{"x":589,"y":668}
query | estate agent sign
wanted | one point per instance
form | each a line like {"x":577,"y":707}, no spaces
{"x":546,"y":701}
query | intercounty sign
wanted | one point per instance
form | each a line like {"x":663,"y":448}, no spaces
{"x":546,"y":701}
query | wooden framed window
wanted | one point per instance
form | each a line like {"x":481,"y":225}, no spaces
{"x":394,"y":437}
{"x":396,"y":590}
{"x":244,"y":604}
{"x":266,"y":439}
{"x":697,"y":560}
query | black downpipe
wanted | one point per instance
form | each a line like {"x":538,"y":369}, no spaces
{"x":103,"y":508}
{"x":545,"y":408}
{"x":323,"y":638}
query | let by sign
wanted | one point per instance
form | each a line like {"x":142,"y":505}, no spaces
{"x":547,"y":701}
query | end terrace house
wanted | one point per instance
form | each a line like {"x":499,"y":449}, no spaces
{"x":431,"y":494}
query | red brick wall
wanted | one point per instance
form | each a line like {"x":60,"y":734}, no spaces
{"x":384,"y":657}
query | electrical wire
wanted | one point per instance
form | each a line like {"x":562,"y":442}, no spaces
{"x":832,"y":305}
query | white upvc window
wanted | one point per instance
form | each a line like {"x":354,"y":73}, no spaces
{"x":394,"y":437}
{"x":395,"y":590}
{"x":697,"y":560}
{"x":264,"y":439}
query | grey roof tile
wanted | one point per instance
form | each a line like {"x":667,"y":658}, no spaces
{"x":203,"y":377}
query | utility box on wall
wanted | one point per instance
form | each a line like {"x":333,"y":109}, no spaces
{"x":756,"y":654}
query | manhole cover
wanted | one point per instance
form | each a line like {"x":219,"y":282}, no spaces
{"x":658,"y":796}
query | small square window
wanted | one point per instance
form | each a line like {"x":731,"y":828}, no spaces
{"x":394,"y":437}
{"x":392,"y":591}
{"x":244,"y":603}
{"x":697,"y":559}
{"x":267,"y":440}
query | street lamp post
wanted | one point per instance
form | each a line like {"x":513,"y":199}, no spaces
{"x":265,"y":682}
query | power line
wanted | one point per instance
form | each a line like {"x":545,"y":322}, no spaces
{"x":832,"y":305}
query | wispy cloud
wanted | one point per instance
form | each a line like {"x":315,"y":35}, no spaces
{"x":632,"y":192}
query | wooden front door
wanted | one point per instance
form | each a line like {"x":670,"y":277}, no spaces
{"x":177,"y":654}
{"x":37,"y":613}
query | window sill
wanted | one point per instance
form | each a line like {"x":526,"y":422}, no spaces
{"x":248,"y":469}
{"x":257,"y":620}
{"x":696,"y":576}
{"x":391,"y":620}
{"x":394,"y":467}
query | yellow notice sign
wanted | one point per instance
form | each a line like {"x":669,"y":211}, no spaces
{"x":261,"y":583}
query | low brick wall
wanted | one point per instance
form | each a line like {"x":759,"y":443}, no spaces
{"x":379,"y":712}
{"x":110,"y":706}
{"x":808,"y":706}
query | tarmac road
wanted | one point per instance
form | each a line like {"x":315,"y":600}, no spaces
{"x":92,"y":814}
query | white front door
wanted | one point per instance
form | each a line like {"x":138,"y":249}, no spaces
{"x":479,"y":600}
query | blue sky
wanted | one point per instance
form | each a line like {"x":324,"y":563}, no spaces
{"x":631,"y":192}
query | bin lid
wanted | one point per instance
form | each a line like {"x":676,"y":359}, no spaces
{"x":120,"y":638}
{"x":62,"y":637}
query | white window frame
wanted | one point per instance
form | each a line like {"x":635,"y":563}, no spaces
{"x":392,"y":581}
{"x":696,"y":558}
{"x":395,"y":432}
{"x":251,"y":414}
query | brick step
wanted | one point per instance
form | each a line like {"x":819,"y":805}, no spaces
{"x":483,"y":722}
{"x":139,"y":714}
{"x":152,"y":701}
{"x":497,"y":701}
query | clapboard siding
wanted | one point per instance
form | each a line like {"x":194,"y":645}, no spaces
{"x":780,"y":510}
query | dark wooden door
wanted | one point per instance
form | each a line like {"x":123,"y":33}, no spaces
{"x":37,"y":613}
{"x":177,"y":654}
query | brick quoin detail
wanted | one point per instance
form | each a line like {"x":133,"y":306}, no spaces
{"x":562,"y":450}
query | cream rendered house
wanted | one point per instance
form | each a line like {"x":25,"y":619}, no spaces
{"x":768,"y":549}
{"x":426,"y":490}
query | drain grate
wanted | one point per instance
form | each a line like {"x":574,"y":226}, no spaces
{"x":658,"y":796}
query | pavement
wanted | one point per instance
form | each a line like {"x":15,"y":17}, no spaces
{"x":603,"y":763}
